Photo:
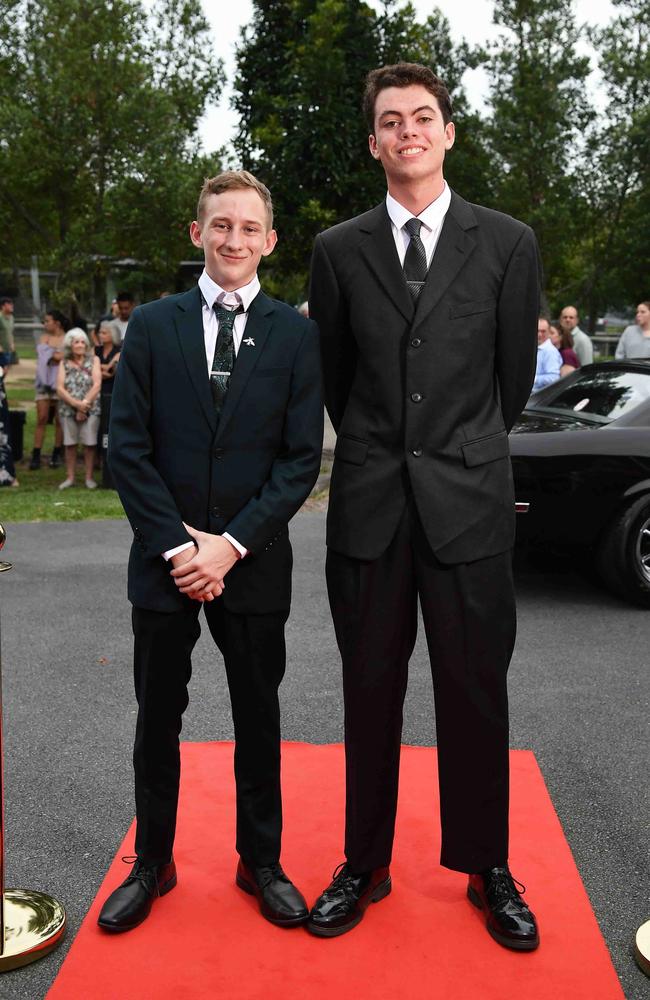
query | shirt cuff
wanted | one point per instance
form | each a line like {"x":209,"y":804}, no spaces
{"x":233,"y":541}
{"x":174,"y":552}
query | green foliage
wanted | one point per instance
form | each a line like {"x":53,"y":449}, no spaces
{"x":539,"y":111}
{"x":99,"y":120}
{"x":617,"y":187}
{"x":301,"y":68}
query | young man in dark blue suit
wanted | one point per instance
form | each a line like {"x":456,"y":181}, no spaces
{"x":215,"y":442}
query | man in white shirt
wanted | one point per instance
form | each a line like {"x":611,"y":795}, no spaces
{"x":215,"y":442}
{"x":582,"y":345}
{"x":125,"y":304}
{"x":549,"y":359}
{"x":427,"y":308}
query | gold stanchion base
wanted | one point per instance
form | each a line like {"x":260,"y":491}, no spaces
{"x":642,"y":947}
{"x":34,"y":926}
{"x":4,"y":566}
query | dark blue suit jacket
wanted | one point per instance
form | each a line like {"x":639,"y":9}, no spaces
{"x":248,"y":476}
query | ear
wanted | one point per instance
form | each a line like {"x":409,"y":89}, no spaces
{"x":450,"y":135}
{"x":269,"y":243}
{"x":372,"y":146}
{"x":195,"y":234}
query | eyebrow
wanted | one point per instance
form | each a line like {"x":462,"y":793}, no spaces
{"x":245,"y":222}
{"x":424,"y":107}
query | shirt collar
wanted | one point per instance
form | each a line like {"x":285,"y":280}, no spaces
{"x":211,"y":291}
{"x":432,"y":215}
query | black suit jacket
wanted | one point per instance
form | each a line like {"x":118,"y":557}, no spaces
{"x":423,"y":397}
{"x":249,"y":476}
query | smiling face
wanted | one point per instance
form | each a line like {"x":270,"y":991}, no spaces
{"x":233,"y":232}
{"x":410,"y":137}
{"x":78,"y":347}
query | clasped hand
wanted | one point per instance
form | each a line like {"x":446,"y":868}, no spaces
{"x":199,"y":573}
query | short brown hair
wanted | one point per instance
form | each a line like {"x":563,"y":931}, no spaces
{"x":233,"y":180}
{"x":404,"y":74}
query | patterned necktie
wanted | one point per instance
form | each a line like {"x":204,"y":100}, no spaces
{"x":223,"y":361}
{"x":415,"y":261}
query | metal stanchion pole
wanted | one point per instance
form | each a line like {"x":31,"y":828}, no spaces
{"x":642,"y":947}
{"x":32,"y":923}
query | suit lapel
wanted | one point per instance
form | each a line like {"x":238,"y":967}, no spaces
{"x":258,"y":326}
{"x":454,"y":248}
{"x":189,"y":327}
{"x":380,"y":253}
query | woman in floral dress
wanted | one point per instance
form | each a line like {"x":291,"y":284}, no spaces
{"x":79,"y":380}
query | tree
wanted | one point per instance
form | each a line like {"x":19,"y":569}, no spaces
{"x":301,"y":68}
{"x":98,"y":106}
{"x":617,"y":185}
{"x":539,"y":111}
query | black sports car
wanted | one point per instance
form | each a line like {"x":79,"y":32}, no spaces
{"x":581,"y":462}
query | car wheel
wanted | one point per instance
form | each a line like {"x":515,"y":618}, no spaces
{"x":623,"y":560}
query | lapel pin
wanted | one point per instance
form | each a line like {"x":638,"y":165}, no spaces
{"x":250,"y":342}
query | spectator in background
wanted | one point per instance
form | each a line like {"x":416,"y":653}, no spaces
{"x":564,"y":343}
{"x":582,"y":344}
{"x":125,"y":306}
{"x":78,"y":385}
{"x":49,"y":352}
{"x":635,"y":339}
{"x":108,"y":353}
{"x":549,"y":359}
{"x":7,"y":345}
{"x":7,"y":469}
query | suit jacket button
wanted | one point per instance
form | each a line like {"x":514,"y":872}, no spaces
{"x":416,"y":342}
{"x":416,"y":397}
{"x":218,"y":452}
{"x":417,"y":452}
{"x":216,"y":512}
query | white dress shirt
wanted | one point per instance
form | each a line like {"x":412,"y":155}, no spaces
{"x":431,"y":218}
{"x":212,"y":293}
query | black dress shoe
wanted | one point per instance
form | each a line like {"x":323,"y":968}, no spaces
{"x":280,"y":901}
{"x":508,"y":918}
{"x":131,"y":902}
{"x":344,"y":902}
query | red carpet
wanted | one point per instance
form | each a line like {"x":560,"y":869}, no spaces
{"x":206,"y":940}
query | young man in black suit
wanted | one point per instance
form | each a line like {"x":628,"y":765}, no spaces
{"x":215,"y":442}
{"x":427,"y":308}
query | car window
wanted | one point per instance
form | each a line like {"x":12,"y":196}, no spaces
{"x":603,"y":395}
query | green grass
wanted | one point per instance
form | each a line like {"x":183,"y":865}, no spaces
{"x":38,"y":497}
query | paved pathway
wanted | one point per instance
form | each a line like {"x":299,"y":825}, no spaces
{"x":579,"y":696}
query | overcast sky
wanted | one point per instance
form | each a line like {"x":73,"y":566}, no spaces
{"x":469,"y":19}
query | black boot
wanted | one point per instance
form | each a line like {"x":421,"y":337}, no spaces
{"x":36,"y":459}
{"x":55,"y":458}
{"x":129,"y":904}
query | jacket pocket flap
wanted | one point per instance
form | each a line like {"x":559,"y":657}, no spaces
{"x":351,"y":450}
{"x":487,"y":449}
{"x":469,"y":308}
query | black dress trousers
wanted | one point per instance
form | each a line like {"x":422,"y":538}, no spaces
{"x":469,"y":619}
{"x":253,"y":649}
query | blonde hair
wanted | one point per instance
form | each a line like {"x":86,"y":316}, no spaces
{"x":233,"y":180}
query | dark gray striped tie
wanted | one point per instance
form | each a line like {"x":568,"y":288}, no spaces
{"x":415,"y":261}
{"x":223,"y":361}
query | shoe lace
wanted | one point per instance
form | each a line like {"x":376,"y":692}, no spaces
{"x":269,"y":873}
{"x":504,"y":887}
{"x":342,"y":881}
{"x":141,"y":872}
